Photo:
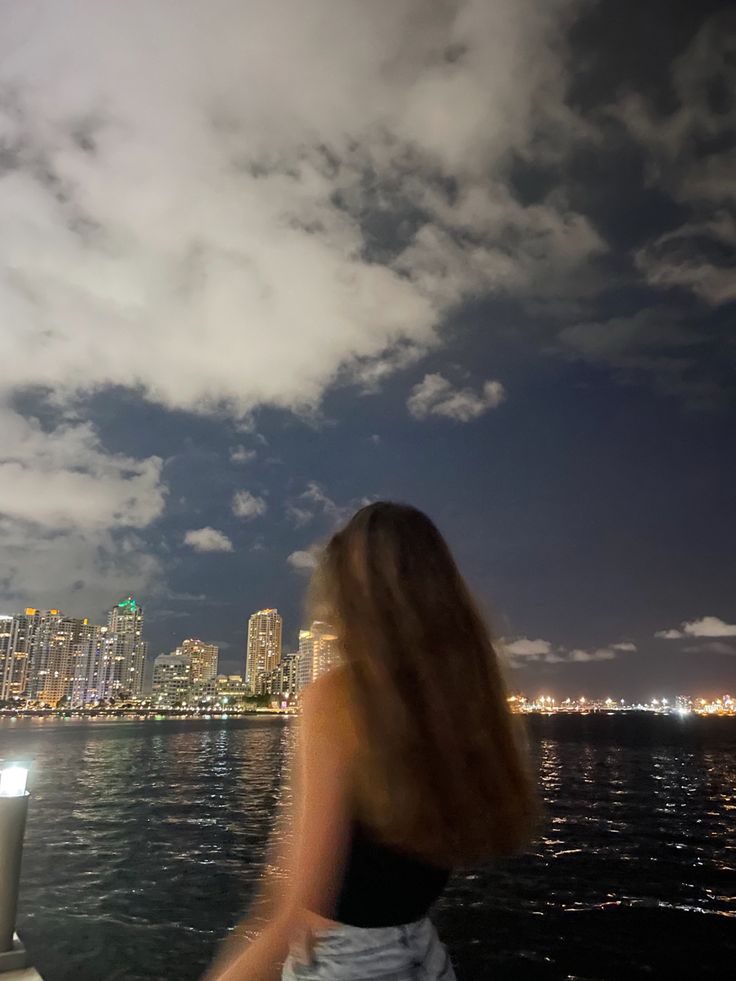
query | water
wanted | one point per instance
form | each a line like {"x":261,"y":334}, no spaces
{"x":145,"y":841}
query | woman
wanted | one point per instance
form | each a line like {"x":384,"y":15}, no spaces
{"x":409,"y":765}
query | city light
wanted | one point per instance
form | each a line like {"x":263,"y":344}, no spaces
{"x":51,"y":663}
{"x":681,"y":706}
{"x":13,"y":779}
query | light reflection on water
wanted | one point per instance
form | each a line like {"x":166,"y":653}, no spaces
{"x":145,"y":841}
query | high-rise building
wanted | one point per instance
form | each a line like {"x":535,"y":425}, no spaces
{"x":60,"y":655}
{"x":203,"y":659}
{"x":79,"y":658}
{"x":263,"y":648}
{"x":6,"y":655}
{"x":303,"y":662}
{"x":88,"y":664}
{"x":318,"y":652}
{"x":42,"y":647}
{"x":51,"y":642}
{"x":14,"y":681}
{"x":40,"y":651}
{"x":120,"y":673}
{"x":283,"y":678}
{"x":172,"y":679}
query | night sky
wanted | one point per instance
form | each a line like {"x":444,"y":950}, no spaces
{"x":264,"y":261}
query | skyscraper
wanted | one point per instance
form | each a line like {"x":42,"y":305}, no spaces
{"x":318,"y":652}
{"x":14,"y":680}
{"x":203,"y":658}
{"x":39,"y":654}
{"x":58,"y":653}
{"x":50,"y":655}
{"x":87,"y":667}
{"x":6,"y":654}
{"x":263,"y":648}
{"x":51,"y":643}
{"x":123,"y":654}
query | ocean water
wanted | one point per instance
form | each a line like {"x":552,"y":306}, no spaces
{"x":145,"y":842}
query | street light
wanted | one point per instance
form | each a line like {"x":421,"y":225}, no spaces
{"x":13,"y":810}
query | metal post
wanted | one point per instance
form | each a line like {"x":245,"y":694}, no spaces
{"x":13,"y":811}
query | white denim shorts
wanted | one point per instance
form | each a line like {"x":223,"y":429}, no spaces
{"x":411,"y":952}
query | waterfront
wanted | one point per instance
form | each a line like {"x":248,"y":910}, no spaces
{"x":145,"y":838}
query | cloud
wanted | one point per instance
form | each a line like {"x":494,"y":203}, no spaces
{"x":485,"y":242}
{"x":709,"y":627}
{"x":164,"y":614}
{"x":369,"y":373}
{"x":183,"y":597}
{"x":70,"y":516}
{"x":686,"y":257}
{"x":239,"y":454}
{"x":247,"y":505}
{"x":648,"y":332}
{"x":302,"y":561}
{"x":524,"y":647}
{"x":689,"y":152}
{"x":208,"y":540}
{"x":522,"y":650}
{"x":434,"y":395}
{"x":656,"y":344}
{"x":62,"y":478}
{"x":192,"y":222}
{"x":704,"y":627}
{"x":600,"y":654}
{"x":77,"y":571}
{"x":156,"y":196}
{"x":713,"y":647}
{"x":314,"y":502}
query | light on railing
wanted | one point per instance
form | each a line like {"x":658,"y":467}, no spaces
{"x":13,"y":780}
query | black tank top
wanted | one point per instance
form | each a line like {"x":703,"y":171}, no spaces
{"x":385,"y":887}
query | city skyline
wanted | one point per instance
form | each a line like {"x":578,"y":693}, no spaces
{"x":51,"y":660}
{"x":98,"y":658}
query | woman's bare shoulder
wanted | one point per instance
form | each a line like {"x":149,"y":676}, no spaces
{"x":327,"y":699}
{"x":329,"y":689}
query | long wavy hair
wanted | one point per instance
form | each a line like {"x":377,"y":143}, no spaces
{"x":441,"y":769}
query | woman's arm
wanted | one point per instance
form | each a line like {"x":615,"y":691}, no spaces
{"x":319,"y":842}
{"x":268,"y":899}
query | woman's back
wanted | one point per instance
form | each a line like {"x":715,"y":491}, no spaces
{"x":384,"y":886}
{"x":378,"y":924}
{"x":440,"y":770}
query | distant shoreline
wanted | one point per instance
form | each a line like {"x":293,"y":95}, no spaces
{"x":137,"y":714}
{"x":176,"y":714}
